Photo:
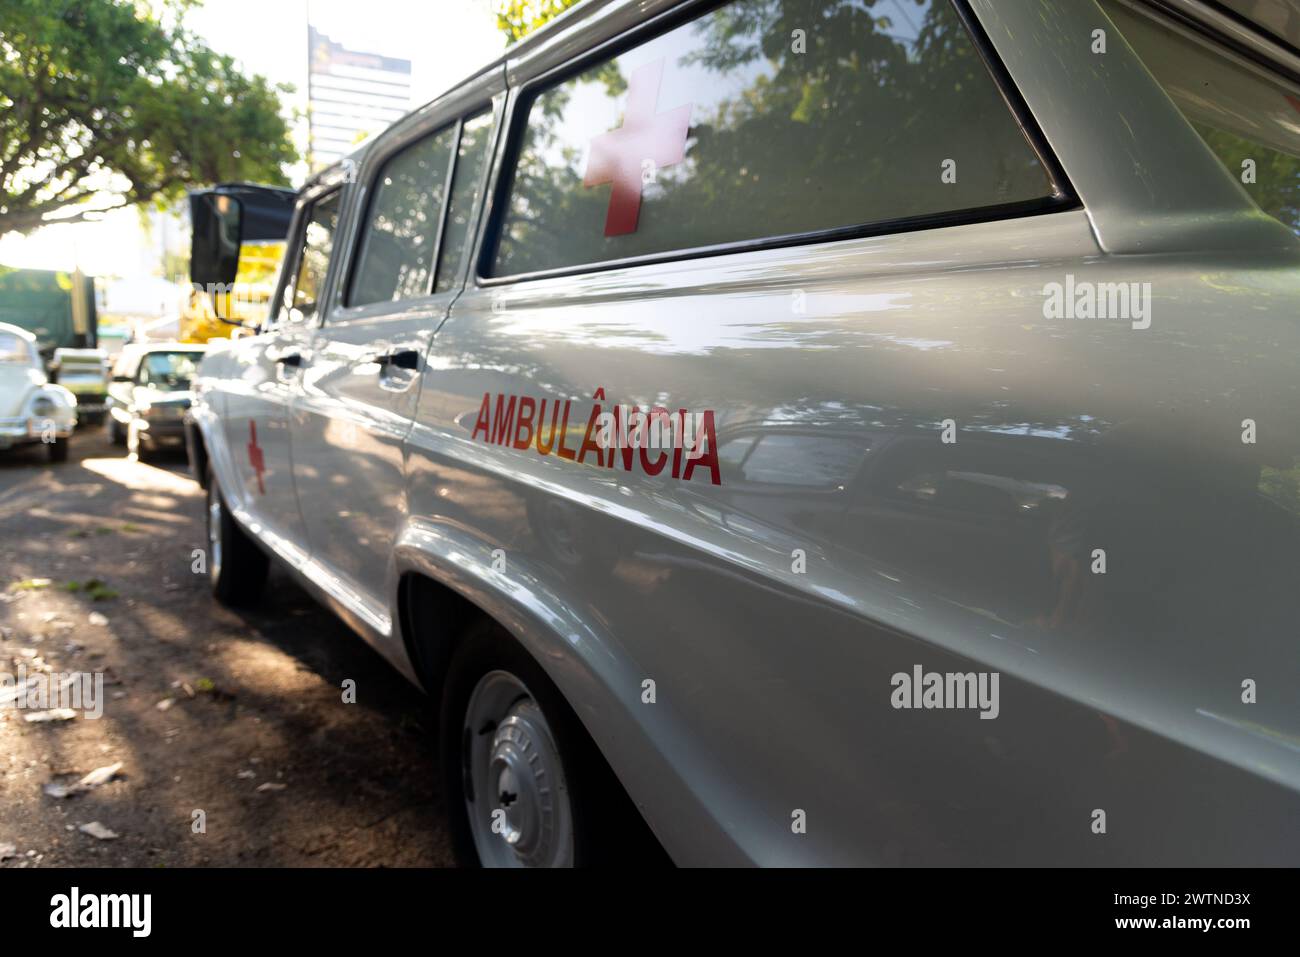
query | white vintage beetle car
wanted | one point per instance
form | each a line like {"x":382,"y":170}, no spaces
{"x":31,"y":408}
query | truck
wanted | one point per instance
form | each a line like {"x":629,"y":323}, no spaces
{"x":57,"y":307}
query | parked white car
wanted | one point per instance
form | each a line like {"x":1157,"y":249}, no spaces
{"x":812,"y":432}
{"x":31,"y":408}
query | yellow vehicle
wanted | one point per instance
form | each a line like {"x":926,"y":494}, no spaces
{"x":259,"y":267}
{"x":260,"y":215}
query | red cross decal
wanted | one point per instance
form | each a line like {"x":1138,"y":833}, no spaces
{"x":255,"y":458}
{"x":616,"y":157}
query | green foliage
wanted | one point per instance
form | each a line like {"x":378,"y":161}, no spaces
{"x":1282,"y":485}
{"x":95,"y":589}
{"x":31,"y":584}
{"x":107,"y":95}
{"x":1277,"y":176}
{"x":518,"y":18}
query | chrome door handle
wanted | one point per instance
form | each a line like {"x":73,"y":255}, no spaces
{"x":400,"y":359}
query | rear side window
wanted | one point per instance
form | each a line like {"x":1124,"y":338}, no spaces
{"x":401,"y":228}
{"x":1249,"y":118}
{"x":13,"y":349}
{"x":763,"y":119}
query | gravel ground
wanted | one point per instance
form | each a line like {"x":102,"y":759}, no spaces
{"x":257,"y":736}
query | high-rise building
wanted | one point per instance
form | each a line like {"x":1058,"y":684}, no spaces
{"x":350,"y":95}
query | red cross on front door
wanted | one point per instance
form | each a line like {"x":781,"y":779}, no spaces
{"x":255,"y":458}
{"x":617,"y":157}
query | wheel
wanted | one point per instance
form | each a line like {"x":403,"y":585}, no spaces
{"x":58,"y":449}
{"x":524,"y":784}
{"x":116,"y":435}
{"x":237,"y":568}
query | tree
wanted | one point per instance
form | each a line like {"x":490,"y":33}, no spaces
{"x":105,"y":98}
{"x":518,"y":18}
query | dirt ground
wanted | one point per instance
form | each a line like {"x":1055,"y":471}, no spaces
{"x":258,"y":736}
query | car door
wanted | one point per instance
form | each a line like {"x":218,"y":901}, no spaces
{"x":404,"y":265}
{"x":262,"y":376}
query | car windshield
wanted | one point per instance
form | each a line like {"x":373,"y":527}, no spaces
{"x":169,"y":371}
{"x":13,"y":348}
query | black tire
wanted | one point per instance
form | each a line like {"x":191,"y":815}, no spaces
{"x":58,"y":449}
{"x":116,"y":435}
{"x":607,"y":829}
{"x":237,"y":568}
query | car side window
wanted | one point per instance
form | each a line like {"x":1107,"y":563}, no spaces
{"x":13,"y":349}
{"x":466,"y":186}
{"x":763,"y":120}
{"x":402,"y":224}
{"x":313,"y":259}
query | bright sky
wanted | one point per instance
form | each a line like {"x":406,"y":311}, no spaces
{"x":445,"y":40}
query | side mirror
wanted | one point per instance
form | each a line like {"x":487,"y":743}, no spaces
{"x":222,"y":220}
{"x":217,"y":221}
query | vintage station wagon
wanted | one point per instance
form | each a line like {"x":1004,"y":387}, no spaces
{"x":809,"y":432}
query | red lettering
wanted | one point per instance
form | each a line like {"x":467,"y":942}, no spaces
{"x":711,"y":458}
{"x":588,"y":442}
{"x":502,"y":422}
{"x":564,"y":432}
{"x":484,"y":420}
{"x":525,"y":422}
{"x":541,"y":419}
{"x":658,"y":420}
{"x":621,"y":436}
{"x":677,"y":443}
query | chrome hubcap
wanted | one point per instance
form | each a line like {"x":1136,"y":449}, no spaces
{"x":515,"y":792}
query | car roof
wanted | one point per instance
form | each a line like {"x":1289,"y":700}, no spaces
{"x":18,"y":331}
{"x":1274,"y":24}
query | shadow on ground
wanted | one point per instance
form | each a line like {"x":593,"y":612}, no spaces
{"x":257,"y":736}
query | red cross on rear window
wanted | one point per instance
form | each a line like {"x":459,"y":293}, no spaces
{"x":617,"y":157}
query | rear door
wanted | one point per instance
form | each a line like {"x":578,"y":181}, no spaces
{"x":403,"y":267}
{"x":263,"y":373}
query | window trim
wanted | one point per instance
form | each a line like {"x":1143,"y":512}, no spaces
{"x":525,"y":95}
{"x":1259,"y":46}
{"x":468,"y":255}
